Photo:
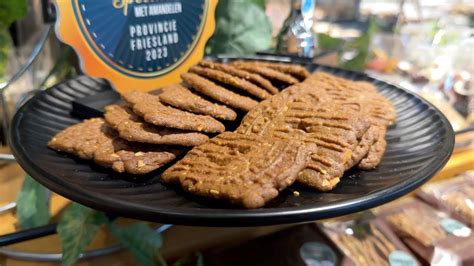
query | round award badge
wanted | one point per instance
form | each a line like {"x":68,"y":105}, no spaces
{"x":136,"y":44}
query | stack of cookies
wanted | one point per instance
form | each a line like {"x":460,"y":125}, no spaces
{"x":152,"y":129}
{"x":310,"y":133}
{"x":299,"y":127}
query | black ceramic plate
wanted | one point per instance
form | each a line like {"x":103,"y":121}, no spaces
{"x":419,"y":144}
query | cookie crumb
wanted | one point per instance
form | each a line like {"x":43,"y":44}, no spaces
{"x":296,"y":193}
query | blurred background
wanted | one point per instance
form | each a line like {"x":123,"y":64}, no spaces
{"x":424,"y":46}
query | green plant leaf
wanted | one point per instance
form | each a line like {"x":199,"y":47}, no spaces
{"x":32,"y":208}
{"x":327,"y":42}
{"x":200,"y":259}
{"x":61,"y":70}
{"x":11,"y":10}
{"x":360,"y":48}
{"x":260,"y":3}
{"x":77,"y":228}
{"x":5,"y":45}
{"x":357,"y":62}
{"x":192,"y":259}
{"x":142,"y":241}
{"x":241,"y":28}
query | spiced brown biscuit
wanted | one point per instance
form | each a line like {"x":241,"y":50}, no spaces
{"x":359,"y":96}
{"x":81,"y":139}
{"x":269,"y":73}
{"x":231,"y":80}
{"x":295,"y":70}
{"x":182,"y":98}
{"x":308,"y":115}
{"x":363,"y":147}
{"x":138,"y":159}
{"x":367,"y":86}
{"x":334,"y":130}
{"x":340,"y":118}
{"x":259,"y":120}
{"x":131,"y":127}
{"x":254,"y":78}
{"x":153,"y":111}
{"x":94,"y":139}
{"x":354,"y":95}
{"x":362,"y":97}
{"x":217,"y":92}
{"x":375,"y":154}
{"x":327,"y":166}
{"x":244,"y":170}
{"x":285,"y":111}
{"x":336,"y":135}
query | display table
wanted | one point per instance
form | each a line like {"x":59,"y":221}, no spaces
{"x":179,"y":240}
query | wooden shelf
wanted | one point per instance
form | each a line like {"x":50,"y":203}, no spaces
{"x":179,"y":240}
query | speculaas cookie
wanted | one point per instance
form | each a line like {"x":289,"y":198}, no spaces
{"x":218,"y":93}
{"x":365,"y":86}
{"x":254,"y":78}
{"x":81,"y":139}
{"x":131,"y":127}
{"x":153,"y":111}
{"x":230,"y":80}
{"x":94,"y":139}
{"x":297,"y":71}
{"x":244,"y":170}
{"x":375,"y":154}
{"x":363,"y":147}
{"x":182,"y":98}
{"x":359,"y":96}
{"x":137,"y":159}
{"x":266,"y":72}
{"x":336,"y":131}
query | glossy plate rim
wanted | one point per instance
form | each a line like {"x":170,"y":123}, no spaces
{"x":235,"y":217}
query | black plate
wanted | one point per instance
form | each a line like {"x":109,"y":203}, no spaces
{"x":419,"y":145}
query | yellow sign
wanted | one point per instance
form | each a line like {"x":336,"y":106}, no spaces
{"x":136,"y":44}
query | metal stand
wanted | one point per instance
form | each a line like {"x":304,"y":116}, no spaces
{"x":50,"y":229}
{"x":3,"y":104}
{"x":53,"y":257}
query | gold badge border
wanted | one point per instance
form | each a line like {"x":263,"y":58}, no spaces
{"x":69,"y":32}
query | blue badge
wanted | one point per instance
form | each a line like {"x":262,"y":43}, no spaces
{"x":455,"y":228}
{"x":307,"y":6}
{"x":141,"y":38}
{"x":317,"y":254}
{"x":401,"y":258}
